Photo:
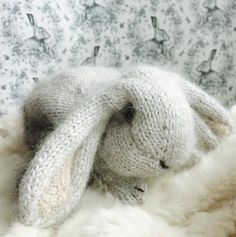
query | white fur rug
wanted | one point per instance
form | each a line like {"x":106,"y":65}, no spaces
{"x":197,"y":202}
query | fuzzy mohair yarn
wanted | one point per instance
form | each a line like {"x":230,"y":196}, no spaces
{"x":115,"y":127}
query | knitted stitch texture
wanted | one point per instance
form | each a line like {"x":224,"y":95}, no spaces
{"x":116,"y":127}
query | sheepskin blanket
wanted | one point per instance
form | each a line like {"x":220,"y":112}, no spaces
{"x":197,"y":202}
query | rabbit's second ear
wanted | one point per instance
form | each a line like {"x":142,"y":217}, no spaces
{"x":96,"y":50}
{"x":31,"y":19}
{"x":213,"y":54}
{"x":54,"y":181}
{"x":154,"y":21}
{"x":209,"y":109}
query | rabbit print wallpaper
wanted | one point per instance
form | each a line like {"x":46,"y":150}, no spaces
{"x":41,"y":38}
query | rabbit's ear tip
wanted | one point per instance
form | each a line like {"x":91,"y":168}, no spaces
{"x":214,"y":51}
{"x":223,"y":130}
{"x":96,"y":50}
{"x":153,"y":18}
{"x":29,"y":15}
{"x":31,"y":18}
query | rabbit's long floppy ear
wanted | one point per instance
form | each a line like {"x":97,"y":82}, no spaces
{"x":212,"y":119}
{"x":31,"y":19}
{"x":58,"y":174}
{"x":154,"y":22}
{"x":212,"y":55}
{"x":96,"y":50}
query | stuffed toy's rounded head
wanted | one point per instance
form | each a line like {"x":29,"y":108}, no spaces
{"x":154,"y":130}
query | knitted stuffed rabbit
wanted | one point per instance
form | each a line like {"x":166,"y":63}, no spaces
{"x":117,"y":127}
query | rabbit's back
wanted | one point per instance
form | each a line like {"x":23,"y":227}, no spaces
{"x":213,"y":80}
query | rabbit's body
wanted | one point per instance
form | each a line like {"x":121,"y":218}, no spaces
{"x":117,"y":127}
{"x":34,"y":44}
{"x":95,"y":16}
{"x":212,"y":79}
{"x":87,"y":9}
{"x":214,"y":14}
{"x":217,"y":17}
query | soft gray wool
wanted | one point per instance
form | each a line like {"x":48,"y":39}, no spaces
{"x":111,"y":127}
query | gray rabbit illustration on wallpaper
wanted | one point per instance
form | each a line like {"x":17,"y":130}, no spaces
{"x":91,"y":4}
{"x":86,"y":10}
{"x":214,"y":13}
{"x":155,"y":47}
{"x":111,"y":127}
{"x":209,"y":75}
{"x":91,"y":60}
{"x":160,"y":35}
{"x":40,"y":35}
{"x":95,"y":16}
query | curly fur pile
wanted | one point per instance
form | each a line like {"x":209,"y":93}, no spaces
{"x":197,"y":202}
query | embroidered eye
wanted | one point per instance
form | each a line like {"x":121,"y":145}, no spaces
{"x":163,"y":164}
{"x":128,"y":112}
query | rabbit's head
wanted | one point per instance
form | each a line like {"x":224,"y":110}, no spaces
{"x":39,"y":32}
{"x":206,"y":66}
{"x":146,"y":123}
{"x":153,"y":132}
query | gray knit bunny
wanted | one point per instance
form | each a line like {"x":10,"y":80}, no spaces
{"x":115,"y":127}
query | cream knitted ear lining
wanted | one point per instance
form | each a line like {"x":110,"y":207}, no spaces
{"x":168,"y":109}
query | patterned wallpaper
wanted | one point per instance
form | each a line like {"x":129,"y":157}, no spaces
{"x":194,"y":37}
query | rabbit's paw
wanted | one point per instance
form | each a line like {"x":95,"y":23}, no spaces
{"x":129,"y":191}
